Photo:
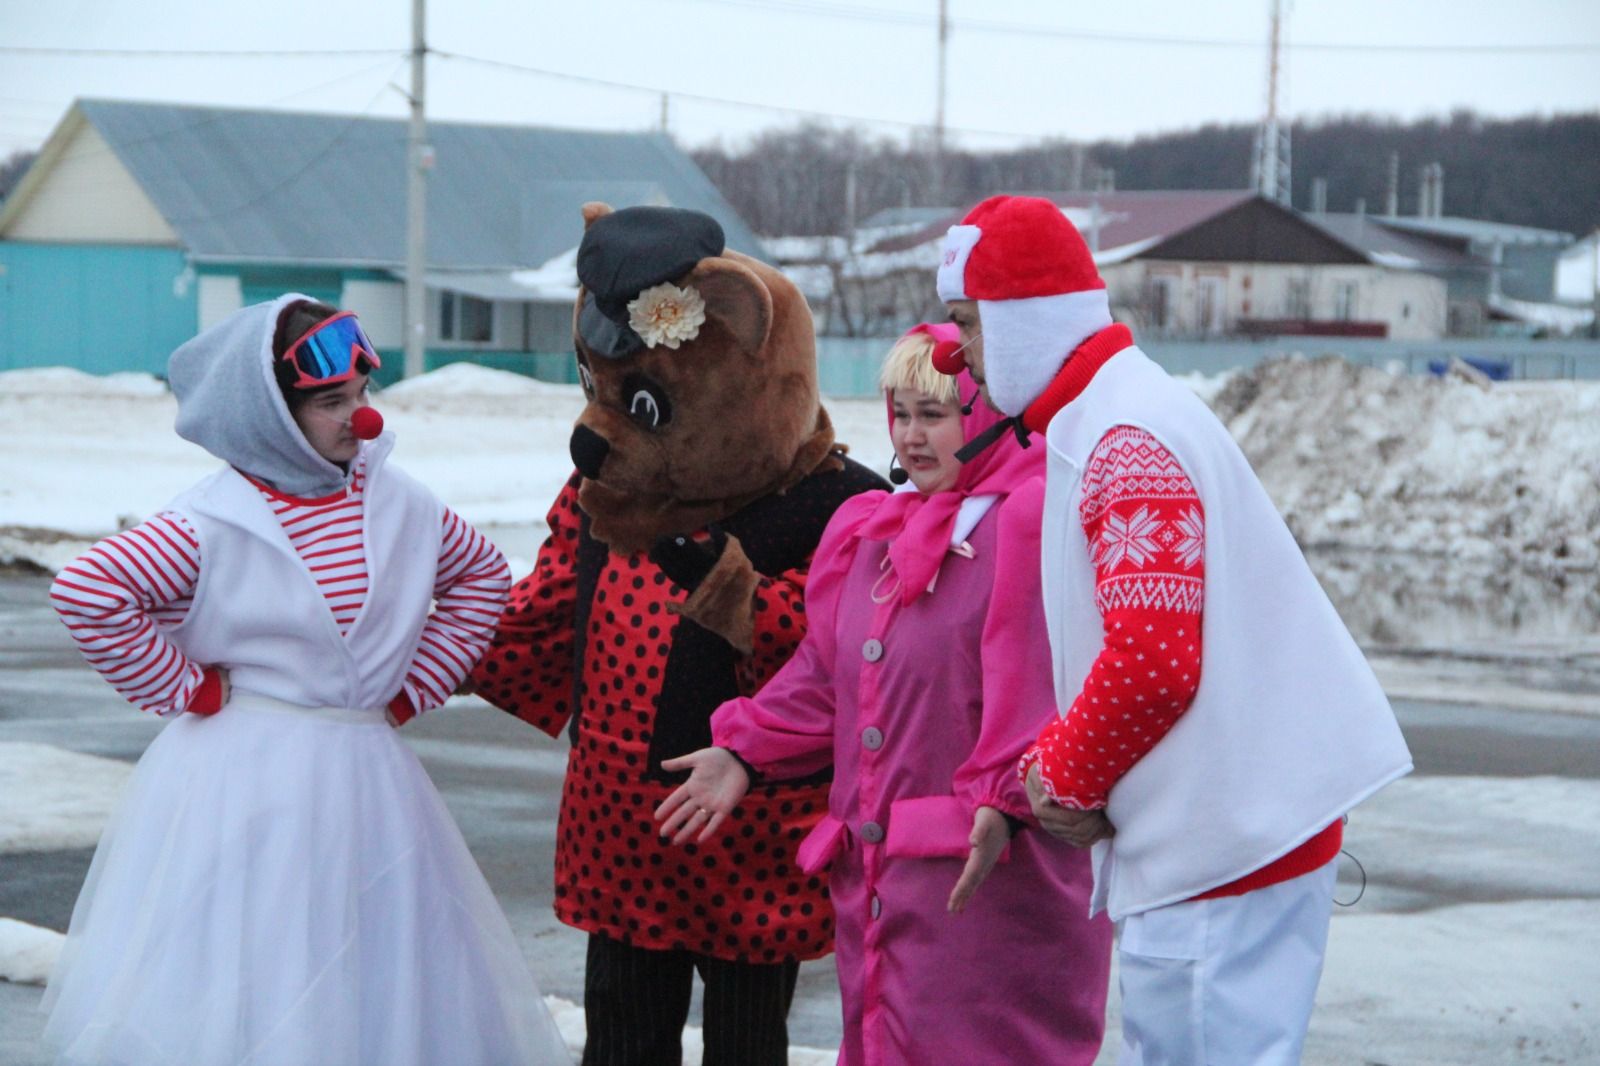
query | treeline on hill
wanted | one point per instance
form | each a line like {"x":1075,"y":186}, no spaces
{"x":1530,"y":171}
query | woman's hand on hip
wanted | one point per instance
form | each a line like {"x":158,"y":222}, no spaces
{"x":717,"y":782}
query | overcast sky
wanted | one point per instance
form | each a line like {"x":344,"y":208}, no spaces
{"x":1019,"y":70}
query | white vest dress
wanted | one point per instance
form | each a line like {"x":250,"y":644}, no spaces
{"x":1289,"y":729}
{"x":282,"y":884}
{"x":258,"y":611}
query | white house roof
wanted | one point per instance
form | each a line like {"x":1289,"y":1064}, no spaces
{"x":1477,"y":230}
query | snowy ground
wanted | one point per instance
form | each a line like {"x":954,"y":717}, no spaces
{"x":1454,"y":525}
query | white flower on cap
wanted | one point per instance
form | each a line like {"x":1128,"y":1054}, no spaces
{"x":1039,"y":295}
{"x":666,"y":314}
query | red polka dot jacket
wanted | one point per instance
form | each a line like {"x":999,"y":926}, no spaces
{"x":592,"y":640}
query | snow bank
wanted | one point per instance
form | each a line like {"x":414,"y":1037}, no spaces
{"x":52,"y":799}
{"x":27,"y":952}
{"x":1356,"y":458}
{"x":469,"y":379}
{"x":65,"y":381}
{"x":1445,"y":467}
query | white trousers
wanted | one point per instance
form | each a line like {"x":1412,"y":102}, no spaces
{"x":1225,"y":982}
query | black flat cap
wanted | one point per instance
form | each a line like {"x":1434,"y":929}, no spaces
{"x":628,"y":251}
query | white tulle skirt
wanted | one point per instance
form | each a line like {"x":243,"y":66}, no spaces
{"x":284,"y":887}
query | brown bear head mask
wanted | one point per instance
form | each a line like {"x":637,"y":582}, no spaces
{"x":699,"y":365}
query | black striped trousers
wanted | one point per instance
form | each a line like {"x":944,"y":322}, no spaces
{"x":636,"y":1001}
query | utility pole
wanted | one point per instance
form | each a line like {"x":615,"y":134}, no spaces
{"x":938,"y":115}
{"x":418,"y":160}
{"x":1594,"y":323}
{"x":664,"y":114}
{"x":850,"y":205}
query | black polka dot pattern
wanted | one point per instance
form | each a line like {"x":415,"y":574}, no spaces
{"x":740,"y":897}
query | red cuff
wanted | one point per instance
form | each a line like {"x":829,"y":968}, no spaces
{"x":207,"y":699}
{"x":401,"y":710}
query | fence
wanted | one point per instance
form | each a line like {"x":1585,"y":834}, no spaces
{"x":848,"y":366}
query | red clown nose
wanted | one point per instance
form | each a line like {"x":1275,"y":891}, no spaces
{"x":366,"y":423}
{"x":949,"y":357}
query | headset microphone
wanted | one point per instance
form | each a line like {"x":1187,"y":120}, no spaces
{"x":897,"y":473}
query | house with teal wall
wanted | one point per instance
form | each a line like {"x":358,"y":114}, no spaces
{"x":140,"y":224}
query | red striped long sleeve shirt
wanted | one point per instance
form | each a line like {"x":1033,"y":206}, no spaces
{"x":118,"y":598}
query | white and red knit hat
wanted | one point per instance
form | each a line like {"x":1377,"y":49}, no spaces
{"x":1039,"y":295}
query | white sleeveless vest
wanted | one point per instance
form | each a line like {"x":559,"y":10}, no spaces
{"x":257,"y":609}
{"x":1289,"y":729}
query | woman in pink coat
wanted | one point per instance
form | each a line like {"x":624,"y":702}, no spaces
{"x":923,"y":676}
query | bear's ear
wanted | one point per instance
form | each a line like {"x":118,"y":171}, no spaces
{"x":593,"y":210}
{"x":736,"y":297}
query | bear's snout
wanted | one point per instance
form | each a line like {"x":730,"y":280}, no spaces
{"x":589,"y":451}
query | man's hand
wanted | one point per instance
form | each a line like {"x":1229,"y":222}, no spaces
{"x":1078,"y":828}
{"x":717,"y":782}
{"x":990,"y":835}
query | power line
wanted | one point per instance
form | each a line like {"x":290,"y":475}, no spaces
{"x":899,"y":18}
{"x":902,"y":18}
{"x":656,"y":90}
{"x":197,"y":53}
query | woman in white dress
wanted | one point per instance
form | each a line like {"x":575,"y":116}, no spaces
{"x":282,"y":884}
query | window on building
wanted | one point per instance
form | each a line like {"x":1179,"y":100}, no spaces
{"x":1163,"y":301}
{"x":1344,"y":301}
{"x":1211,"y":304}
{"x":1297,"y":301}
{"x":465,"y":318}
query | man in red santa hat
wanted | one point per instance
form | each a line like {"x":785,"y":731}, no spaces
{"x":1218,"y":720}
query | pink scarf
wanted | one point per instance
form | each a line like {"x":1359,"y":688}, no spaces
{"x":917,"y":526}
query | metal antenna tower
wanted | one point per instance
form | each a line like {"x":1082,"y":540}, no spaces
{"x":1269,"y":166}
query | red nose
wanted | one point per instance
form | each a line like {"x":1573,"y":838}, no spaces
{"x":366,"y":423}
{"x":949,"y":358}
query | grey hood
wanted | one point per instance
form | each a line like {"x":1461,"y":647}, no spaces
{"x":229,"y":403}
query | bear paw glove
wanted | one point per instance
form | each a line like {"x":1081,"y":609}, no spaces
{"x":720,"y":581}
{"x":685,"y":560}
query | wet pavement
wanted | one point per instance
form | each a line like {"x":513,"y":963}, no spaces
{"x":501,"y":780}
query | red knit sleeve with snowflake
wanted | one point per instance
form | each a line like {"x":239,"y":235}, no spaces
{"x":1145,"y":527}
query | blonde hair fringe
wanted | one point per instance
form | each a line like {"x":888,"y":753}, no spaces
{"x":909,"y":365}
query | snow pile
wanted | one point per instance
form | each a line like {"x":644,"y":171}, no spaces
{"x":1453,"y":467}
{"x":1355,"y":458}
{"x":469,"y":379}
{"x":52,"y":799}
{"x":27,"y":952}
{"x":65,"y":381}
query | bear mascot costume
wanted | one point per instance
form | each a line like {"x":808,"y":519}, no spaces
{"x":673,"y":579}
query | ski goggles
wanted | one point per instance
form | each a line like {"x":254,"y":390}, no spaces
{"x":331,"y":352}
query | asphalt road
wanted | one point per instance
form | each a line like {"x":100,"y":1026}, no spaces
{"x":501,"y":780}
